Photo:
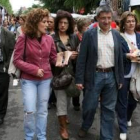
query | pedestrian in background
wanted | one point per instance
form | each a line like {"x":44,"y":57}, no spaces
{"x":36,"y":75}
{"x":13,"y":27}
{"x":99,"y":70}
{"x":126,"y":104}
{"x":50,"y":29}
{"x":5,"y":24}
{"x":20,"y":29}
{"x":7,"y":43}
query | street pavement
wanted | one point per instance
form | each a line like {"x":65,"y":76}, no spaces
{"x":12,"y":129}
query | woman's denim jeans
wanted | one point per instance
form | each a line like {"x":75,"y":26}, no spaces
{"x":35,"y":99}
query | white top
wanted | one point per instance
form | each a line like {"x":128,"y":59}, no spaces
{"x":132,"y":39}
{"x":19,"y":32}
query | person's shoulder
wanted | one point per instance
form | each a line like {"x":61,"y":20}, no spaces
{"x":6,"y":31}
{"x":48,"y":37}
{"x":138,"y":34}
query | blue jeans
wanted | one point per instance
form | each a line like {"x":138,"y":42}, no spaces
{"x":106,"y":87}
{"x":125,"y":105}
{"x":35,"y":100}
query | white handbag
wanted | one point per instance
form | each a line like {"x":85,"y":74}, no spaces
{"x":135,"y":83}
{"x":14,"y":71}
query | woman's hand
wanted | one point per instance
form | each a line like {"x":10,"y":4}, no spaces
{"x":40,"y":73}
{"x":74,"y":55}
{"x":80,"y":86}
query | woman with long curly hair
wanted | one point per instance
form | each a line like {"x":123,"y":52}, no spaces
{"x":34,"y":52}
{"x":64,"y":41}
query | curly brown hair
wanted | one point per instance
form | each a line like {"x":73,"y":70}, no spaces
{"x":32,"y":20}
{"x":64,"y":14}
{"x":124,"y":18}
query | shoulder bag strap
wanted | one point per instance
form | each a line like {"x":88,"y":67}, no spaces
{"x":24,"y":54}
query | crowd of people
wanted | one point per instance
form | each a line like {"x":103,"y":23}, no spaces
{"x":99,"y":56}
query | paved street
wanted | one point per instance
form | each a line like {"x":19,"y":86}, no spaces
{"x":12,"y":129}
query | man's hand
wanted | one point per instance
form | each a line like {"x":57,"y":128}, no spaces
{"x":80,"y":86}
{"x":120,"y":86}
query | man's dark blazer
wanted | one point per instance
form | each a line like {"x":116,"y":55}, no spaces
{"x":125,"y":48}
{"x":88,"y":56}
{"x":7,"y":43}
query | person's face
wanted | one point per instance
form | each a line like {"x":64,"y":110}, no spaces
{"x":130,"y":24}
{"x":63,"y":25}
{"x":104,"y":19}
{"x":85,"y":27}
{"x":50,"y":23}
{"x":42,"y":26}
{"x":13,"y":22}
{"x":21,"y":21}
{"x":5,"y":23}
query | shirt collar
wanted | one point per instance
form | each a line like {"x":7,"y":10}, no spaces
{"x":100,"y":30}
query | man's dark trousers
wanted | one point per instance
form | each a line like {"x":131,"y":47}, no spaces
{"x":4,"y":85}
{"x":104,"y":85}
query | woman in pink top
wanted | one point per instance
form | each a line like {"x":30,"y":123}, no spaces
{"x":34,"y":59}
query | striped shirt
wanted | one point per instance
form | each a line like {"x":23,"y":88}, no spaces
{"x":105,"y":49}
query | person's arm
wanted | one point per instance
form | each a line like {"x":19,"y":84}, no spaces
{"x":81,"y":61}
{"x":53,"y":53}
{"x":120,"y":65}
{"x":9,"y":44}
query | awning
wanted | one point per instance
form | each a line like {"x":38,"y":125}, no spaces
{"x":134,"y":2}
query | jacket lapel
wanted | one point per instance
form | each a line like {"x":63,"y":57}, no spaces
{"x":2,"y":36}
{"x":138,"y":40}
{"x":94,"y":39}
{"x":115,"y":45}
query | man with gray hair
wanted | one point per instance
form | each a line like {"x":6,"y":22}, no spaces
{"x":7,"y":42}
{"x":100,"y":71}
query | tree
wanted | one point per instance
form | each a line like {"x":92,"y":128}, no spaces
{"x":69,"y":5}
{"x":88,"y":5}
{"x":55,"y":5}
{"x":7,"y":5}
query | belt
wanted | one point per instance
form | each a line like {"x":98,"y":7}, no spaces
{"x":104,"y":69}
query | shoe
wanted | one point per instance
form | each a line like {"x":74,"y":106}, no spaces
{"x":82,"y":133}
{"x":129,"y":123}
{"x":1,"y":121}
{"x":63,"y":127}
{"x":76,"y":108}
{"x":123,"y":136}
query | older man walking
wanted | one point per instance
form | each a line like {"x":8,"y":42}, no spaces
{"x":7,"y":42}
{"x":100,"y":72}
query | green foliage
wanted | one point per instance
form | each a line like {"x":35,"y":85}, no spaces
{"x":7,"y":5}
{"x":54,"y":5}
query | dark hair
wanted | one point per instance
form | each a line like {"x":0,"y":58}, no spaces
{"x":32,"y":20}
{"x":124,"y":18}
{"x":64,"y":14}
{"x":23,"y":17}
